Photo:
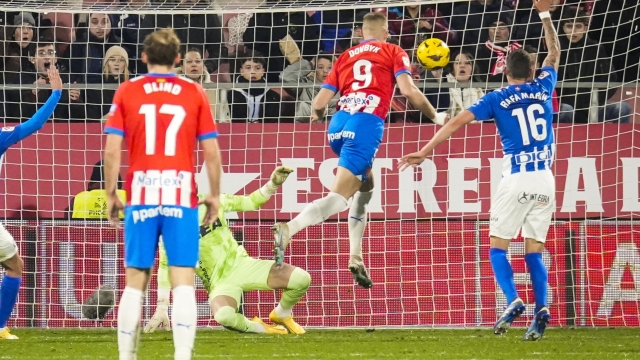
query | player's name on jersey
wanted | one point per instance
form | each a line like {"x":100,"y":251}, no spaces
{"x":162,"y":86}
{"x":524,"y":96}
{"x":363,"y":48}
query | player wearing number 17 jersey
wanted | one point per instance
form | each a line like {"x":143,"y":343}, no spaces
{"x":365,"y":75}
{"x":525,"y":199}
{"x":161,"y":117}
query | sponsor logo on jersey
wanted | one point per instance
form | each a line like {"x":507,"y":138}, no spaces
{"x":157,"y":179}
{"x":526,"y":158}
{"x":112,"y":109}
{"x":344,"y":134}
{"x":8,"y":128}
{"x":525,"y":197}
{"x":406,"y":61}
{"x":144,"y":214}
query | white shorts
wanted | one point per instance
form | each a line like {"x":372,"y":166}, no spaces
{"x":523,"y":201}
{"x":8,"y":247}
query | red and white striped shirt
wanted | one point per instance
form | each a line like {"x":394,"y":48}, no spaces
{"x":161,"y":116}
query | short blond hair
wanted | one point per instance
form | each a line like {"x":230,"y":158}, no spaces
{"x":374,"y":21}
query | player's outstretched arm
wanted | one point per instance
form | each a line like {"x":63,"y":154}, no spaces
{"x":112,"y":158}
{"x":43,"y":114}
{"x":443,"y":134}
{"x":213,"y":162}
{"x":320,"y":103}
{"x":252,"y":202}
{"x":550,"y":34}
{"x":417,"y":99}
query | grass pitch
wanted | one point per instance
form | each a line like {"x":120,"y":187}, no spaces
{"x":336,"y":344}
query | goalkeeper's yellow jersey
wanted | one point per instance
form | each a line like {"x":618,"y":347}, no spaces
{"x":218,"y":248}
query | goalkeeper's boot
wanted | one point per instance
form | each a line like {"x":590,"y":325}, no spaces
{"x":512,"y":312}
{"x":6,"y":335}
{"x":287,"y":322}
{"x":281,"y":239}
{"x":538,"y":324}
{"x":360,"y":274}
{"x":270,"y":329}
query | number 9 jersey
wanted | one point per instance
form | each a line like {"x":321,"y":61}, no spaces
{"x":161,"y":116}
{"x":365,"y":75}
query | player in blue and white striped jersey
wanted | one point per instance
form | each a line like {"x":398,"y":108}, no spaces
{"x":525,"y":198}
{"x":9,"y":256}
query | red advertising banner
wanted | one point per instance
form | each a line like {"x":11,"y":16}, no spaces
{"x":425,"y":273}
{"x":596,"y":170}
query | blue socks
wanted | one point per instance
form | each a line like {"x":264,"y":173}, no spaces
{"x":8,"y":296}
{"x":539,"y":278}
{"x":503,"y":272}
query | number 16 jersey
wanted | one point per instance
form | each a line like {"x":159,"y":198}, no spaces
{"x":365,"y":75}
{"x":524,"y":117}
{"x":161,"y":116}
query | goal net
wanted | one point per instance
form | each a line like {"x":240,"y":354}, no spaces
{"x":261,"y":63}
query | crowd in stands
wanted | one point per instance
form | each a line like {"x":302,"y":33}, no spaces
{"x":277,"y":60}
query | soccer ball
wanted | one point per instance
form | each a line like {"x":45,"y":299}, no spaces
{"x":433,"y":54}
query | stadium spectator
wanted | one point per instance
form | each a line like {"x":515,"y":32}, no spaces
{"x":236,"y":27}
{"x":87,"y":52}
{"x":127,"y":27}
{"x":491,"y":57}
{"x":203,"y":31}
{"x":92,"y":203}
{"x":253,"y":102}
{"x":412,"y":23}
{"x":468,"y":18}
{"x":265,"y":30}
{"x":402,"y":110}
{"x":309,"y":72}
{"x":193,"y":68}
{"x":17,"y":48}
{"x":615,"y":25}
{"x":114,"y":71}
{"x":42,"y":56}
{"x":527,"y":29}
{"x":465,"y":72}
{"x":336,"y":25}
{"x":583,"y":59}
{"x":352,"y":39}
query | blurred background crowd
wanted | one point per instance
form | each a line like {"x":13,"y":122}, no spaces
{"x":278,"y":60}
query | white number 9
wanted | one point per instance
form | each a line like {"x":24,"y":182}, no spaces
{"x":362,"y":73}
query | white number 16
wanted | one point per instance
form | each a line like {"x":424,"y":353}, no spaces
{"x":533,"y":123}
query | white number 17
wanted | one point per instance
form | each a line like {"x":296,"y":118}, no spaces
{"x":150,"y":118}
{"x":532,"y":122}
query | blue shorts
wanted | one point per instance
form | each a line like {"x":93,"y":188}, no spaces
{"x":355,"y":139}
{"x":143,"y":225}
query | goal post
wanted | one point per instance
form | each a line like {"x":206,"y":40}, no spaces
{"x":426,"y":244}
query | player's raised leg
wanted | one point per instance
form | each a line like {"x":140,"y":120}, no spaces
{"x":357,"y":222}
{"x":295,"y":282}
{"x":12,"y":263}
{"x":355,"y":139}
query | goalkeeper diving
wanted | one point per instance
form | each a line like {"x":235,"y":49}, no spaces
{"x":227,"y":271}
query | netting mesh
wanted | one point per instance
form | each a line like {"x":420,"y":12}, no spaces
{"x":261,"y":64}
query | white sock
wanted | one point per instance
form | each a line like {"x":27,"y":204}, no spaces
{"x":357,"y":221}
{"x":282,"y":312}
{"x":317,"y":212}
{"x":184,"y":321}
{"x":129,"y":313}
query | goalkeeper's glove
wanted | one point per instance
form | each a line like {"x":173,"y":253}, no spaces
{"x":160,"y":317}
{"x":280,"y":174}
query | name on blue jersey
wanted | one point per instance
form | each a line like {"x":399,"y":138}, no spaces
{"x":529,"y":96}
